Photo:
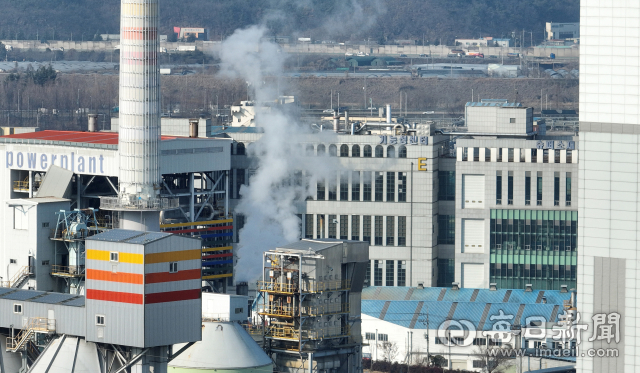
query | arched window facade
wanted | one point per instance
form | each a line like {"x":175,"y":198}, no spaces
{"x":321,"y":150}
{"x":344,"y":150}
{"x":367,"y":151}
{"x":333,"y":150}
{"x":355,"y":151}
{"x":379,"y":151}
{"x":309,"y":149}
{"x":402,"y":152}
{"x":391,"y":151}
{"x":240,"y":149}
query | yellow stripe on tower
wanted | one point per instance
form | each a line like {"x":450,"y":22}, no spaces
{"x":173,"y":256}
{"x":190,"y":224}
{"x":122,"y":257}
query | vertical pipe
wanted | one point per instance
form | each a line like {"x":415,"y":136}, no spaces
{"x":389,"y":113}
{"x":226,"y":194}
{"x":192,"y":196}
{"x":30,"y":184}
{"x":78,"y":191}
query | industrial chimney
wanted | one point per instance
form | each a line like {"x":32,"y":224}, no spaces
{"x":139,"y":139}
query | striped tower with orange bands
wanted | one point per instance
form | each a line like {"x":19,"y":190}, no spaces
{"x":139,"y":138}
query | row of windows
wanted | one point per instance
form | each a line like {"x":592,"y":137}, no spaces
{"x":394,"y":270}
{"x":510,"y":155}
{"x":354,"y":151}
{"x":372,"y":337}
{"x":340,"y":224}
{"x":364,"y":186}
{"x":527,"y":188}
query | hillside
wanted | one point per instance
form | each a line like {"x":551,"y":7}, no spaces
{"x":378,"y":20}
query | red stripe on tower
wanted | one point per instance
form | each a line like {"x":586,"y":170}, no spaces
{"x":172,"y":296}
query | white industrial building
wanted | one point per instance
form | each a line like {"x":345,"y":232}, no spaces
{"x":608,"y":277}
{"x":407,"y":325}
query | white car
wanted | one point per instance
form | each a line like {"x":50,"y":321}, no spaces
{"x":327,"y":111}
{"x":428,"y":112}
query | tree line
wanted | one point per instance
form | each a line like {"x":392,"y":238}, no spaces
{"x":382,"y":21}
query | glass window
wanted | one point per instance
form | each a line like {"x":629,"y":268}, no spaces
{"x":344,"y":227}
{"x":446,"y":274}
{"x":355,"y":227}
{"x":527,"y":188}
{"x":539,"y":189}
{"x":332,"y":226}
{"x":510,"y":188}
{"x":308,"y":226}
{"x":389,"y":275}
{"x":446,"y":185}
{"x":367,"y":151}
{"x":402,"y":273}
{"x":366,"y":185}
{"x":391,"y":231}
{"x":333,"y":150}
{"x":367,"y":275}
{"x":402,"y":230}
{"x":320,"y":191}
{"x":366,"y":229}
{"x":377,"y":273}
{"x":556,"y":188}
{"x":379,"y":185}
{"x":332,"y":187}
{"x":521,"y":238}
{"x":344,"y":186}
{"x":319,"y":226}
{"x":344,"y":150}
{"x":446,"y":230}
{"x":391,"y":186}
{"x":379,"y":151}
{"x":391,"y":151}
{"x":355,"y":186}
{"x":568,"y":191}
{"x":498,"y":187}
{"x":355,"y":151}
{"x":378,"y":231}
{"x":321,"y":150}
{"x":402,"y":187}
{"x":240,"y":149}
{"x":402,"y":151}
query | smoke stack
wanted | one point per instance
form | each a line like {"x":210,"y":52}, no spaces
{"x":193,"y":128}
{"x":336,"y":121}
{"x":388,"y":113}
{"x":346,"y":120}
{"x":93,"y":123}
{"x":139,"y":140}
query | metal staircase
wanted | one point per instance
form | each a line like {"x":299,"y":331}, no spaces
{"x":18,"y":279}
{"x":35,"y":325}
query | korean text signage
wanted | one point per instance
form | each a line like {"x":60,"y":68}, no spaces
{"x":42,"y":162}
{"x":556,"y":144}
{"x":404,"y":140}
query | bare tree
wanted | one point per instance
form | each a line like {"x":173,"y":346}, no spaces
{"x":494,"y":359}
{"x":389,"y":350}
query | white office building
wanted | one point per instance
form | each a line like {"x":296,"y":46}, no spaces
{"x":609,"y":202}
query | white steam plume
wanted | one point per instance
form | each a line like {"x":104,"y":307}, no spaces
{"x":269,"y":201}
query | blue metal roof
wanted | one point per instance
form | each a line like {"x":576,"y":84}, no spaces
{"x":215,"y":130}
{"x":510,"y":305}
{"x":128,"y":236}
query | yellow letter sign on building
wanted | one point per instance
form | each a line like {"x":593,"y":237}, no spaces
{"x":422,"y":164}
